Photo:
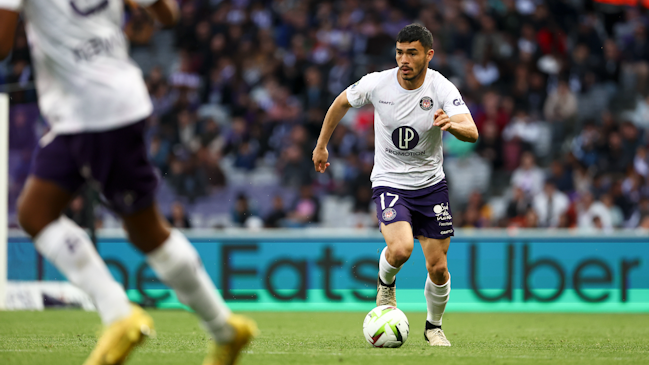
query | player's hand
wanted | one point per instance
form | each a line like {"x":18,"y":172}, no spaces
{"x":442,"y":120}
{"x":320,"y":157}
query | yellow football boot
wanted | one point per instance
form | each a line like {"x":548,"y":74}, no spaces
{"x":228,"y":354}
{"x":119,"y":339}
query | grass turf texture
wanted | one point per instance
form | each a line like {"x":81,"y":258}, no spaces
{"x":67,"y":337}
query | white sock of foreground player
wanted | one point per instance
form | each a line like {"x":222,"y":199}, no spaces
{"x":436,"y":299}
{"x":178,"y":265}
{"x":68,"y":247}
{"x":387,"y":272}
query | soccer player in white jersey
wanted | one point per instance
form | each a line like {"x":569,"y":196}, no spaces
{"x":95,"y":100}
{"x":413,"y":106}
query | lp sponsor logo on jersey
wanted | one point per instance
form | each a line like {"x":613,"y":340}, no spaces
{"x":442,"y":214}
{"x":405,"y":138}
{"x":426,"y":103}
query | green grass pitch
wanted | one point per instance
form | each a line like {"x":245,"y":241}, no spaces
{"x":67,"y":337}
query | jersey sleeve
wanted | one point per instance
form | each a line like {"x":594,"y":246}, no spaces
{"x":13,"y":5}
{"x":451,"y":100}
{"x":360,"y":93}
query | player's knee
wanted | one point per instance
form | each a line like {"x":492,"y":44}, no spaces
{"x":29,"y":219}
{"x":399,"y":255}
{"x":437,"y":269}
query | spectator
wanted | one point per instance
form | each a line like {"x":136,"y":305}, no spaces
{"x":641,"y":162}
{"x":531,"y":219}
{"x":644,"y":223}
{"x":277,"y":215}
{"x":159,"y":150}
{"x":490,"y":145}
{"x":306,"y":210}
{"x":241,"y":210}
{"x":592,"y":214}
{"x":295,"y":167}
{"x":617,"y":217}
{"x":561,"y":177}
{"x":489,"y":42}
{"x":178,"y":217}
{"x":615,"y":157}
{"x":560,"y":109}
{"x":636,"y":53}
{"x":528,"y":177}
{"x":585,"y":145}
{"x":522,"y":130}
{"x":477,"y":214}
{"x":550,"y":205}
{"x":518,"y":205}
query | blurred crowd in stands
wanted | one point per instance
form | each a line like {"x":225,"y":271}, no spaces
{"x":559,"y":90}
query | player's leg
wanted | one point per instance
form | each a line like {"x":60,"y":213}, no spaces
{"x":396,"y":226}
{"x":399,"y":244}
{"x":55,"y":175}
{"x":65,"y":244}
{"x":437,"y":288}
{"x":129,"y":185}
{"x":178,"y":265}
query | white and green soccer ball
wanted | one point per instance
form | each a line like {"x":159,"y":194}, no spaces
{"x":386,"y":326}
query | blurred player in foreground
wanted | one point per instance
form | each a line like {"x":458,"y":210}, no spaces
{"x":95,"y":100}
{"x":412,"y":106}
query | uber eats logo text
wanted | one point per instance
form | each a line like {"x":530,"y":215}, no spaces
{"x":363,"y":271}
{"x":590,"y":272}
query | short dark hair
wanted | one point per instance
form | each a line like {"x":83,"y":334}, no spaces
{"x":416,"y":32}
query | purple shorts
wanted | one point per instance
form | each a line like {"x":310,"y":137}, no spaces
{"x":115,"y":161}
{"x":427,"y":210}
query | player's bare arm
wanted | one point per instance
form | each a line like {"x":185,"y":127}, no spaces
{"x":461,"y":126}
{"x":336,"y":112}
{"x":165,"y":11}
{"x":8,"y":22}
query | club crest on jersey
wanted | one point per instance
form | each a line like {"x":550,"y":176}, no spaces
{"x":426,"y":103}
{"x":389,"y":214}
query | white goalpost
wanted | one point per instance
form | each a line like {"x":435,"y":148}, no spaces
{"x":4,"y":191}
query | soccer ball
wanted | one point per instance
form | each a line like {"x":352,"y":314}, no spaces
{"x":386,"y":326}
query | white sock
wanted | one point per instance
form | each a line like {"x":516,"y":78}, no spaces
{"x":436,"y":299}
{"x":387,"y":272}
{"x":68,"y":247}
{"x":178,"y":265}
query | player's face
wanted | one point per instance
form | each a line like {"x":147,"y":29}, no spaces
{"x":412,"y":59}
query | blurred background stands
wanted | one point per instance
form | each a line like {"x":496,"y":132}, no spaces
{"x":559,"y":90}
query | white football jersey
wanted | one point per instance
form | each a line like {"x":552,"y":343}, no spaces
{"x":408,"y":153}
{"x":84,"y":77}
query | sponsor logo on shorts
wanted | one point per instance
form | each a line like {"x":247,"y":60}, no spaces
{"x":441,"y":212}
{"x":426,"y":103}
{"x":446,"y":232}
{"x":389,"y":214}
